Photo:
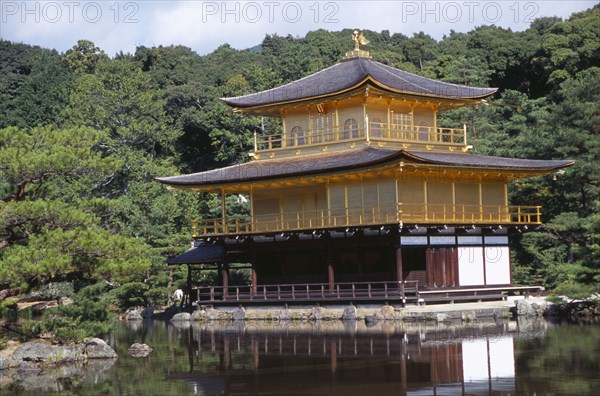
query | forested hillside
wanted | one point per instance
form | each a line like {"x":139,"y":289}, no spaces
{"x":84,"y":134}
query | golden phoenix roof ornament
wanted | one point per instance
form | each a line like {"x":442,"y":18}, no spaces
{"x":359,"y":39}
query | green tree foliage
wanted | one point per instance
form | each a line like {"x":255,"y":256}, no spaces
{"x":89,"y":135}
{"x":570,"y":47}
{"x":44,"y":238}
{"x":571,"y":237}
{"x":34,"y":86}
{"x":123,"y":101}
{"x":84,"y":57}
{"x":89,"y":314}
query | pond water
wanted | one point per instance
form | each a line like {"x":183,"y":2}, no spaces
{"x":342,"y":358}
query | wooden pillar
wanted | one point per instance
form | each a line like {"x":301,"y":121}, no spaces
{"x":436,"y":133}
{"x":330,"y":271}
{"x":330,"y":276}
{"x":223,"y":211}
{"x":253,"y":274}
{"x":388,"y":130}
{"x":252,"y":225}
{"x":284,"y":132}
{"x":399,"y":275}
{"x":336,"y":127}
{"x":225,"y":279}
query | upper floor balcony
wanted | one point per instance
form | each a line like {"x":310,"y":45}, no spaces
{"x":381,"y":134}
{"x":356,"y":217}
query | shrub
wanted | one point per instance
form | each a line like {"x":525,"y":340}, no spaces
{"x":88,"y":316}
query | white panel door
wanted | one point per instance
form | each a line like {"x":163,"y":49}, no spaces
{"x":497,"y":265}
{"x":470,"y":266}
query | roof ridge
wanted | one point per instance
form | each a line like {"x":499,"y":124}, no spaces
{"x":431,"y":79}
{"x":284,"y":85}
{"x":384,"y":69}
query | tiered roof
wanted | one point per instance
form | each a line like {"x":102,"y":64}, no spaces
{"x":355,"y":72}
{"x":356,"y":159}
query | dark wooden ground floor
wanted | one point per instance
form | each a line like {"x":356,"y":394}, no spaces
{"x":423,"y":263}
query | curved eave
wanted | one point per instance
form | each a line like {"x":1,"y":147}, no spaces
{"x":505,"y":164}
{"x":368,"y":79}
{"x":351,"y":73}
{"x":331,"y":164}
{"x":325,"y":169}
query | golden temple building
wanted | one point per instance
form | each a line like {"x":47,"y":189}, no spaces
{"x":361,"y":195}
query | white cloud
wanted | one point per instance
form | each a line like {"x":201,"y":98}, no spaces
{"x":204,"y":25}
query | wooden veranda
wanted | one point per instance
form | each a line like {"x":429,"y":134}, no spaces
{"x":400,"y":293}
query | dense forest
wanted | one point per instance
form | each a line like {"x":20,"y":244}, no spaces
{"x":83,"y":135}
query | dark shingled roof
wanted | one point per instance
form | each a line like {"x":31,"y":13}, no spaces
{"x":351,"y":159}
{"x":484,"y":161}
{"x":204,"y":253}
{"x":349,"y":73}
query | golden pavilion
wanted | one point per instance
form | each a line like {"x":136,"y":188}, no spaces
{"x":362,"y":196}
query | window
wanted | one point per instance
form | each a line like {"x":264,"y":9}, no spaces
{"x":402,"y":120}
{"x":297,"y":136}
{"x":350,"y":129}
{"x":322,"y":128}
{"x":402,"y":125}
{"x":376,"y":127}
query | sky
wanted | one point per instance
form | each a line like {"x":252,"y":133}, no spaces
{"x":116,"y":26}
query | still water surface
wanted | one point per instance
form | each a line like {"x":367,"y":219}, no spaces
{"x":351,"y":358}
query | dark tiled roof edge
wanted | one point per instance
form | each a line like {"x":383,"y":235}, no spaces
{"x":351,"y":73}
{"x":286,"y":167}
{"x":352,"y":159}
{"x":205,"y":253}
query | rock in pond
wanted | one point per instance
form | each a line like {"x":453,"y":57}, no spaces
{"x":139,"y":350}
{"x":198,"y":315}
{"x":96,"y":348}
{"x":469,"y":316}
{"x":147,"y":313}
{"x":441,"y":317}
{"x":387,"y":312}
{"x":317,"y":313}
{"x":284,"y":314}
{"x":41,"y":352}
{"x":239,"y":314}
{"x":183,"y":316}
{"x":523,"y":308}
{"x":134,"y":316}
{"x":349,"y":313}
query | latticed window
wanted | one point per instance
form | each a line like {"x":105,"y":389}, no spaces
{"x":322,"y":128}
{"x":296,"y":136}
{"x":350,"y":129}
{"x":403,"y":121}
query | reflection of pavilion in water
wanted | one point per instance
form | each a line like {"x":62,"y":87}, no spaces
{"x":351,"y":358}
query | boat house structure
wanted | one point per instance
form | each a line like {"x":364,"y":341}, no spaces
{"x":362,"y":195}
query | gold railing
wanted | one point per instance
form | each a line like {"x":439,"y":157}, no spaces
{"x":372,"y":131}
{"x":358,"y":217}
{"x":415,"y":133}
{"x":308,"y":138}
